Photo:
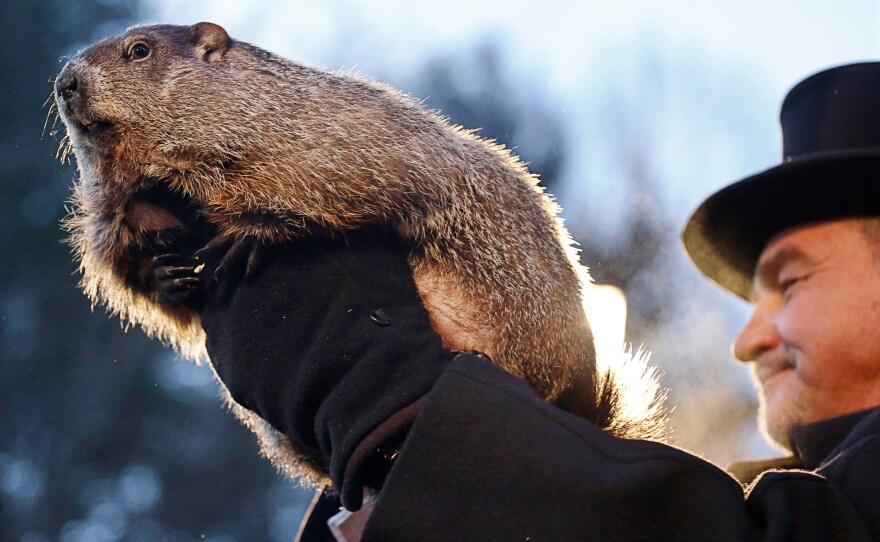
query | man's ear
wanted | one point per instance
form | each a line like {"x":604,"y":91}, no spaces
{"x":210,"y":41}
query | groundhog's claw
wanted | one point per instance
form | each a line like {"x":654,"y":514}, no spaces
{"x":238,"y":252}
{"x":176,"y":280}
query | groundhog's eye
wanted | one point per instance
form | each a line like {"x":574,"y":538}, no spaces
{"x":138,"y":51}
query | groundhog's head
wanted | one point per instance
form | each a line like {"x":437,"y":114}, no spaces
{"x":157,"y":101}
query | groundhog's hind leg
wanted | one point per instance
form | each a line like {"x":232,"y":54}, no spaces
{"x":453,"y":313}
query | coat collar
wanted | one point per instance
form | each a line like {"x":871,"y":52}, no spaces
{"x":816,"y":443}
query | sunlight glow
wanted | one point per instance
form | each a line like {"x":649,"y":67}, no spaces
{"x":606,"y":311}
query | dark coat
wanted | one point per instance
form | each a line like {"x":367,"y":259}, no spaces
{"x":485,"y":458}
{"x":488,"y":460}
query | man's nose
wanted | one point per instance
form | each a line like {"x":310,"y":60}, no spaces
{"x":760,"y":334}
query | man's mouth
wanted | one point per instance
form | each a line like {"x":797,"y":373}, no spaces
{"x":766,"y":372}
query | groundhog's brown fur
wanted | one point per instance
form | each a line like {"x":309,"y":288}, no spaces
{"x":273,"y":149}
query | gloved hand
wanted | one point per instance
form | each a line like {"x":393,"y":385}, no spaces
{"x":330,"y":343}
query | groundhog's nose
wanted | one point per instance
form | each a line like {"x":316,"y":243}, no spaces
{"x":66,"y":85}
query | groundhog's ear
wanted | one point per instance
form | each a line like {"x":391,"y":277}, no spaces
{"x":210,"y":40}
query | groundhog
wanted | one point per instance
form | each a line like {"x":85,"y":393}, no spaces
{"x":168,"y":120}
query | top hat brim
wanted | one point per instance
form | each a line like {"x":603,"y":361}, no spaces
{"x":727,"y":233}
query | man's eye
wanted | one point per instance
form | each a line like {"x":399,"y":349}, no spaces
{"x":786,"y":284}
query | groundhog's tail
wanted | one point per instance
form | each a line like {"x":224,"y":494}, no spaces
{"x":629,"y":399}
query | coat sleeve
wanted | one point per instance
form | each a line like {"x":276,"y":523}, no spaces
{"x":488,"y":460}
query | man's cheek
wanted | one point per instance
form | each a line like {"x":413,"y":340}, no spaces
{"x":800,"y":327}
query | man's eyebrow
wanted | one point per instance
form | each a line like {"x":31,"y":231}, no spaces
{"x":767,"y":268}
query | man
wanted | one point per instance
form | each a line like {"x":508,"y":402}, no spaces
{"x":801,"y":242}
{"x":448,"y":446}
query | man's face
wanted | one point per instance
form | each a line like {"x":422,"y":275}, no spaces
{"x":814,"y":338}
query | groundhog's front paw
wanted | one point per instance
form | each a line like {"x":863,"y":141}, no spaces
{"x":177,"y":280}
{"x":238,"y":253}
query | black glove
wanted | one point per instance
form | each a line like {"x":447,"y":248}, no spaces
{"x":330,"y":343}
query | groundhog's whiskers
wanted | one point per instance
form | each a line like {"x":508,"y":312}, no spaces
{"x":53,"y":108}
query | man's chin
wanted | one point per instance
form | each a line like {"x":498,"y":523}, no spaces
{"x":774,"y":425}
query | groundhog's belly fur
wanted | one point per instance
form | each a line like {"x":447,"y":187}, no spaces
{"x":269,"y":148}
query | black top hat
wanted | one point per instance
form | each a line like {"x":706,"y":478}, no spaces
{"x":830,"y":169}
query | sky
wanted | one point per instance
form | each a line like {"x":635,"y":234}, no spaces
{"x":787,"y":38}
